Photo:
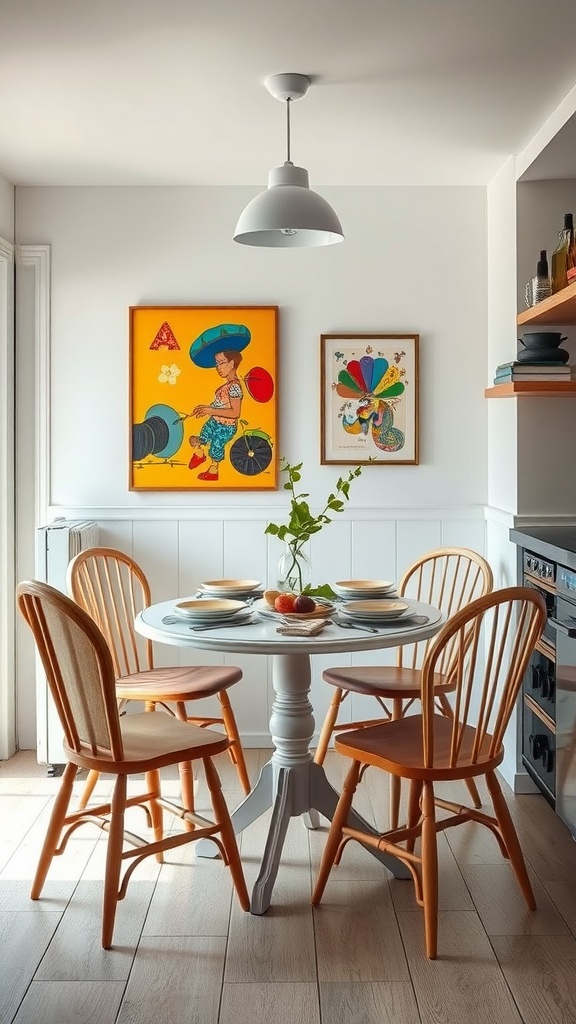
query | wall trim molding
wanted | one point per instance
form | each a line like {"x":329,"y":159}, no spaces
{"x":37,"y":258}
{"x":468,"y":513}
{"x":7,"y":504}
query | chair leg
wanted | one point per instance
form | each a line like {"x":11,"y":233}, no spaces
{"x":235,"y":750}
{"x":470,"y":783}
{"x":54,"y":832}
{"x":414,"y":812}
{"x":429,"y":871}
{"x":510,"y":838}
{"x":328,"y":727}
{"x":113,"y":860}
{"x":153,"y":787}
{"x":472,"y":789}
{"x":186,"y":771}
{"x":335,"y":834}
{"x":395,"y":781}
{"x":222,"y":819}
{"x":89,"y":787}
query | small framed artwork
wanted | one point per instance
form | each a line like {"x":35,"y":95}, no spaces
{"x":369,"y":399}
{"x":203,"y":388}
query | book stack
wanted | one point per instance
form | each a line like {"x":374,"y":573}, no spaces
{"x":508,"y":372}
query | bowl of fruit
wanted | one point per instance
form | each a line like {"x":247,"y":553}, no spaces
{"x":292,"y":606}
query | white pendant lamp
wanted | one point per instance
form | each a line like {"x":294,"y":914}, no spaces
{"x":288,"y":214}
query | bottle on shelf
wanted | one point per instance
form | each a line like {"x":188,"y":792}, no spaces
{"x":541,"y":287}
{"x":563,"y":251}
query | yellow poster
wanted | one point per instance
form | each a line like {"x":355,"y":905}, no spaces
{"x":203,"y":398}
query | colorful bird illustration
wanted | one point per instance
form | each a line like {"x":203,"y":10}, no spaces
{"x":370,"y":382}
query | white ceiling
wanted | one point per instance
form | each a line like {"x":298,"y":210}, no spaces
{"x":170,"y":92}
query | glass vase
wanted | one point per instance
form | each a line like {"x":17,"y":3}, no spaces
{"x":294,"y":569}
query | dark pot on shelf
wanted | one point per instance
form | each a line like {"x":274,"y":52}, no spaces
{"x":543,"y":355}
{"x":542,"y":339}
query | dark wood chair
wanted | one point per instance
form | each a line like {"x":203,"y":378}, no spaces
{"x":488,"y":646}
{"x":82,"y":681}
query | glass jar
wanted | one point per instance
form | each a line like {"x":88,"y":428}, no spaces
{"x":294,"y":568}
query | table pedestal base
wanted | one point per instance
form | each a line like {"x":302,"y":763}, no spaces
{"x":300,"y":790}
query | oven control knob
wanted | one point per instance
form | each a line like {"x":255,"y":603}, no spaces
{"x":529,"y":562}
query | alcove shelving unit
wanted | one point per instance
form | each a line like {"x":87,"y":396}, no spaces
{"x":558,"y":309}
{"x":538,"y":389}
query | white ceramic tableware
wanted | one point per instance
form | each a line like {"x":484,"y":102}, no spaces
{"x":374,"y":609}
{"x":219,"y":588}
{"x":207,"y":609}
{"x":362,"y":588}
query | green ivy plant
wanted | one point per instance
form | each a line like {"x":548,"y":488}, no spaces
{"x":302,"y":525}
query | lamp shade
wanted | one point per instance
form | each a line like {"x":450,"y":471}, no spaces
{"x":288,"y":214}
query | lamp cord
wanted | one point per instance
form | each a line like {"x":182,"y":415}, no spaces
{"x":288,"y":101}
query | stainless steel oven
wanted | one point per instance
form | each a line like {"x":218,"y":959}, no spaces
{"x":565,"y":718}
{"x":539,"y":684}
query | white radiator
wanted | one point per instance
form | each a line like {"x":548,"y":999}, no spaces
{"x":56,"y":545}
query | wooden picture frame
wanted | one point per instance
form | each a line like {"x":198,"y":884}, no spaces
{"x":203,"y":398}
{"x":369,"y":399}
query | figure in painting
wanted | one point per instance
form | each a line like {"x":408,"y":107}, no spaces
{"x":223,"y":414}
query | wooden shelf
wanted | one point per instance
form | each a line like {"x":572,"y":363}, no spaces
{"x":538,"y":389}
{"x":556,"y":310}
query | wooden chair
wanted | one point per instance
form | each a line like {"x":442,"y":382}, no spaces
{"x":448,"y":578}
{"x":488,"y":645}
{"x":112,"y":588}
{"x":81,"y":677}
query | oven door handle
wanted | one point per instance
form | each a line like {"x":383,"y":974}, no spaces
{"x":564,"y":627}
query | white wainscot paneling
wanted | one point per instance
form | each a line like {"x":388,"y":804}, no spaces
{"x":464,"y":534}
{"x":415,"y":538}
{"x":374,"y":550}
{"x":178,"y":552}
{"x":116,"y":533}
{"x":245,"y":550}
{"x":330,"y":553}
{"x":200,"y":554}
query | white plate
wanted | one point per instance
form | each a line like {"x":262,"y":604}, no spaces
{"x":229,"y":620}
{"x":219,"y":587}
{"x":374,"y":609}
{"x":362,"y":588}
{"x":208,"y":609}
{"x":323,"y":609}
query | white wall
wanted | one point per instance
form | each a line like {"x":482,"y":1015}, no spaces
{"x":7,"y":566}
{"x":414,"y":261}
{"x":407,"y":265}
{"x":6,"y":209}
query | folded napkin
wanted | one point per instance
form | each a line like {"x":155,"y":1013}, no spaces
{"x":301,"y":627}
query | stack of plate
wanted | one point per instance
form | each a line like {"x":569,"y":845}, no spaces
{"x":239,"y":589}
{"x":374,"y":612}
{"x":351,"y":589}
{"x":210,"y":611}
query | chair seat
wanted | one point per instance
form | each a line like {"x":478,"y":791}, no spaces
{"x":382,"y":680}
{"x":396,"y":747}
{"x":178,"y":683}
{"x":152,"y":741}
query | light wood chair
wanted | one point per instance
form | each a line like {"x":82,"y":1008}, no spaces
{"x":81,"y":678}
{"x":488,"y":646}
{"x":448,"y":578}
{"x":112,"y":588}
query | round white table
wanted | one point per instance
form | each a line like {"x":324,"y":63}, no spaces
{"x":290,"y":782}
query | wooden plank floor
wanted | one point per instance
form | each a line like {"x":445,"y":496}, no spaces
{"x":184,"y":953}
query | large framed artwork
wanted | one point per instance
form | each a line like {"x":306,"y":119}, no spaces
{"x":369,"y":399}
{"x":203,"y":389}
